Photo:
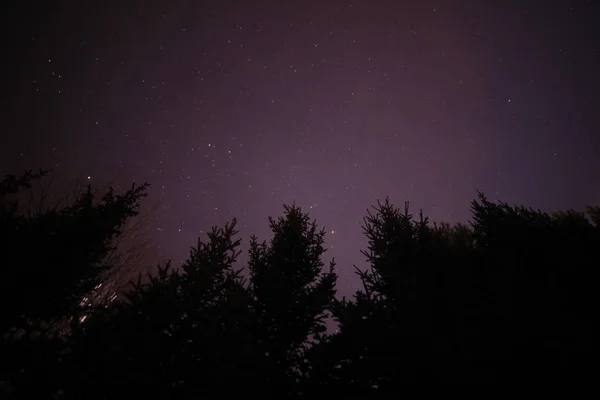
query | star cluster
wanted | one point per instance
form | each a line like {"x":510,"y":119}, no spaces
{"x":232,"y":109}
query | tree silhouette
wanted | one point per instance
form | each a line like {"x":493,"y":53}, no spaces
{"x":388,"y":332}
{"x":508,"y":298}
{"x":539,"y":270}
{"x":171,"y":334}
{"x":291,"y":294}
{"x":192,"y":331}
{"x":52,"y":258}
{"x":505,"y":300}
{"x":70,"y":244}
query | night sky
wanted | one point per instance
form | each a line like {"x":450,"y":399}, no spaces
{"x":232,"y":109}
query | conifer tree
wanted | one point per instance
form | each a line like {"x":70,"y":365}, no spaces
{"x":215,"y":325}
{"x":540,"y":285}
{"x":401,"y":327}
{"x":179,"y":334}
{"x":508,"y":299}
{"x":387,"y":329}
{"x":51,"y":258}
{"x":291,"y":293}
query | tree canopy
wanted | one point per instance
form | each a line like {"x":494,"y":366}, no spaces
{"x":504,"y":298}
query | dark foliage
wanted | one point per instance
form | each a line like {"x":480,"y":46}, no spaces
{"x":180,"y":333}
{"x":291,"y":295}
{"x":198,"y":329}
{"x":52,"y":256}
{"x":70,"y":244}
{"x":507,"y":299}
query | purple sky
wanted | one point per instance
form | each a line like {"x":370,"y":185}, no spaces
{"x":235,"y":108}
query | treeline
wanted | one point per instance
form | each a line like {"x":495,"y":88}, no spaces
{"x":505,"y":299}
